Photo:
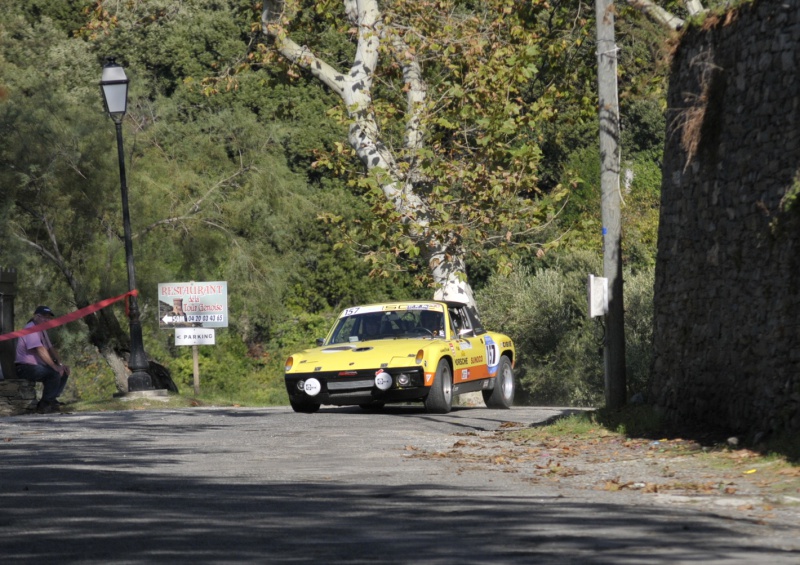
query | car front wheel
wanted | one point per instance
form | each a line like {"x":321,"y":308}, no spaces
{"x":304,"y":407}
{"x":440,"y":396}
{"x":502,"y":395}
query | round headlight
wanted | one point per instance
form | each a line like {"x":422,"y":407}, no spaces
{"x":403,"y":379}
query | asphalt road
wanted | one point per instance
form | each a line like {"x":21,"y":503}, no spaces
{"x":233,"y":485}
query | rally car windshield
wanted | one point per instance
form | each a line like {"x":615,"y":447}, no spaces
{"x":388,"y":325}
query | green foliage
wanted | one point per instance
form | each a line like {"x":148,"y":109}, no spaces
{"x":243,"y":176}
{"x":301,"y":331}
{"x":642,"y":129}
{"x":559,"y":350}
{"x":58,"y":179}
{"x":210,"y":191}
{"x":333,"y":275}
{"x":640,"y":186}
{"x":639,"y":328}
{"x":229,"y":370}
{"x":497,"y":76}
{"x":67,"y":15}
{"x":630,"y":421}
{"x":574,"y":153}
{"x":91,"y":378}
{"x":541,"y":311}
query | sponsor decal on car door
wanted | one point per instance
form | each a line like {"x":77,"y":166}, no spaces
{"x":461,"y":350}
{"x":470,"y":360}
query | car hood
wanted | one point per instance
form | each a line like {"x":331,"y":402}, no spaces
{"x":364,"y":354}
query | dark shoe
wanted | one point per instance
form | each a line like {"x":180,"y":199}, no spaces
{"x":47,"y":407}
{"x":63,"y":407}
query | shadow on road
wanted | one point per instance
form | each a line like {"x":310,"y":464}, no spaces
{"x":116,"y":501}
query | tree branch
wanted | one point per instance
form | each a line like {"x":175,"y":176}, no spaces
{"x":302,"y":56}
{"x":658,"y":14}
{"x":694,"y":7}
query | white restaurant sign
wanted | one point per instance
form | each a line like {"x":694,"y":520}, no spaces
{"x":193,"y":304}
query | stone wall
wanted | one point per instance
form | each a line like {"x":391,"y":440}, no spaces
{"x":17,"y":396}
{"x":727,"y":296}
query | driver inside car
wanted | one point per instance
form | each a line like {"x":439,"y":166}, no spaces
{"x":370,"y":326}
{"x":432,"y":321}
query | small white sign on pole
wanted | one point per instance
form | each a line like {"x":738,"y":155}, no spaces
{"x":597,"y":288}
{"x":194,"y":336}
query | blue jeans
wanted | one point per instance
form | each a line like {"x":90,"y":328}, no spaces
{"x":53,"y":382}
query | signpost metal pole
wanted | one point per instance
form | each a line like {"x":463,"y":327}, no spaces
{"x":196,"y":364}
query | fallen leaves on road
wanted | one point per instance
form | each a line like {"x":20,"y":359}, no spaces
{"x":506,"y":425}
{"x":607,"y":461}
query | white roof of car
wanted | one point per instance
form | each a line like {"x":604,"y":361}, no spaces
{"x":393,"y":306}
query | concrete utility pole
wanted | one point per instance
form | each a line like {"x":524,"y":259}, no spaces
{"x":614,"y":346}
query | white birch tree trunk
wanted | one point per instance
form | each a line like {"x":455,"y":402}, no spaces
{"x":354,"y":87}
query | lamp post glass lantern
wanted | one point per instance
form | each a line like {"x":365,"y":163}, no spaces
{"x":115,"y":90}
{"x":114,"y":84}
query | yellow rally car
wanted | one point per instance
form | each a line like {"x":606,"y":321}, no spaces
{"x":403,"y":352}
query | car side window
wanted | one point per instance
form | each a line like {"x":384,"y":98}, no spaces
{"x":465,"y":321}
{"x":460,"y":323}
{"x":455,"y":321}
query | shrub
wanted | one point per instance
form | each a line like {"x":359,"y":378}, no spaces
{"x":559,"y":349}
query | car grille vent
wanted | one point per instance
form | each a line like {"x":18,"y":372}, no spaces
{"x":350,"y":385}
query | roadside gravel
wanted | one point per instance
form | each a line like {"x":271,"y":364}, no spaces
{"x":736,"y":483}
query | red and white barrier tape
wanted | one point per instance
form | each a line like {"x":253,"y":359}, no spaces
{"x":71,"y":317}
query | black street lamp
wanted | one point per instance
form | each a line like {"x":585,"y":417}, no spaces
{"x":115,"y":96}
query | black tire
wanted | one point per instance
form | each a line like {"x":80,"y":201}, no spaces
{"x":502,"y":395}
{"x":440,"y":396}
{"x":304,"y":407}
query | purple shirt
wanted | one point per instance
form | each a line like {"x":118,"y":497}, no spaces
{"x":27,"y":344}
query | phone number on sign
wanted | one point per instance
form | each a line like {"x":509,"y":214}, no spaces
{"x":205,"y":318}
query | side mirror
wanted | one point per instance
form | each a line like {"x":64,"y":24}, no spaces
{"x":320,"y":341}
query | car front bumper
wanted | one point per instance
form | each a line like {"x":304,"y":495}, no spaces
{"x":363,"y":387}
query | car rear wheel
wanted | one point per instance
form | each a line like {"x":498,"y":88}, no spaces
{"x":304,"y":407}
{"x":502,"y":395}
{"x":440,"y":397}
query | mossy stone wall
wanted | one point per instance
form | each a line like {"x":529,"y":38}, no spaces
{"x":727,"y":286}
